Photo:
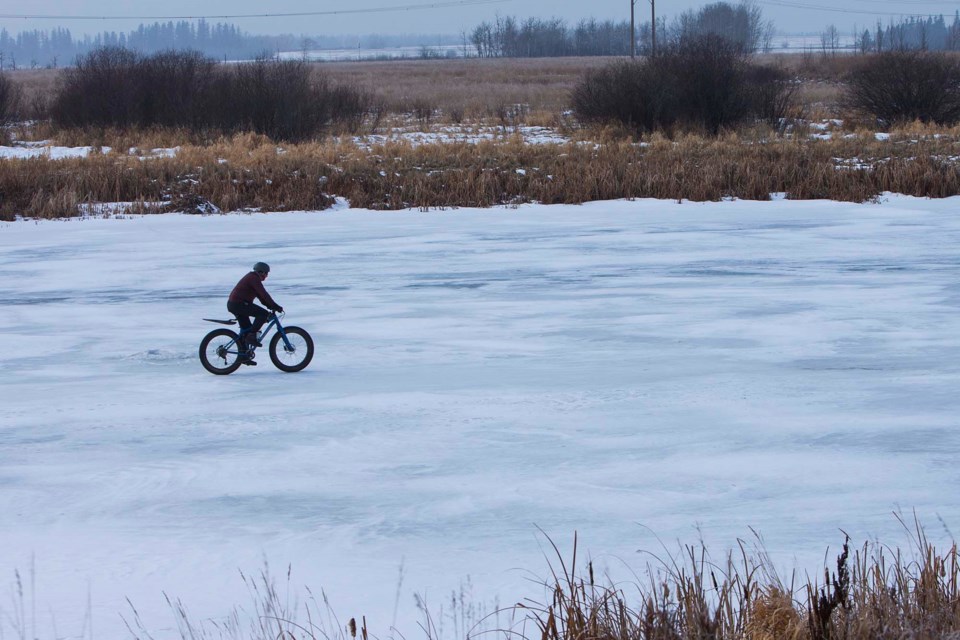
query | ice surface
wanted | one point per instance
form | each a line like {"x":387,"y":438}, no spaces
{"x":624,"y":370}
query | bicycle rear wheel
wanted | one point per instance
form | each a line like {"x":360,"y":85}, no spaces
{"x":297,"y":356}
{"x":220,"y":352}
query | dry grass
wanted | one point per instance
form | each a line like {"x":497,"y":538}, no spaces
{"x":876,"y":593}
{"x":38,"y":87}
{"x":249,"y":172}
{"x":482,"y":89}
{"x":873,"y":592}
{"x":477,"y":87}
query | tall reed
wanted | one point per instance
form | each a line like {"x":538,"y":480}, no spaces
{"x":249,"y":172}
{"x":875,"y":593}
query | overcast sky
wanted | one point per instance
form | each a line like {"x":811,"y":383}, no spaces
{"x":789,"y":16}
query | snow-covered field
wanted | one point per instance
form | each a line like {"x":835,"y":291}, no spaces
{"x":625,"y":370}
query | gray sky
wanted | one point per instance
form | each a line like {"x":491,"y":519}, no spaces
{"x":789,"y":16}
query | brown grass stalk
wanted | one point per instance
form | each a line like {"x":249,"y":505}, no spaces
{"x":875,"y":594}
{"x":249,"y":172}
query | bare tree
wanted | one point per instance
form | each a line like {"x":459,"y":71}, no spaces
{"x":742,"y":25}
{"x":830,"y":40}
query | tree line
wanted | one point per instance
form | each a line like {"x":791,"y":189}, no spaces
{"x":922,"y":34}
{"x":59,"y":47}
{"x":507,"y":37}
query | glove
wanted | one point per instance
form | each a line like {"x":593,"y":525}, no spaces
{"x":278,"y":309}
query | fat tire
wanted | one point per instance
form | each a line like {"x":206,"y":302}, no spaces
{"x":205,"y":343}
{"x":276,"y":343}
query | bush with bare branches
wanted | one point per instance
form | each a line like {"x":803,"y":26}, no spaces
{"x":903,"y":86}
{"x":286,"y":100}
{"x":9,"y":99}
{"x":704,"y":83}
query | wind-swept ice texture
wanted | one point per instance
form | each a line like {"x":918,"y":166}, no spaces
{"x":618,"y":369}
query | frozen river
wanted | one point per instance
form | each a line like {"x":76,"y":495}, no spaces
{"x":624,"y":370}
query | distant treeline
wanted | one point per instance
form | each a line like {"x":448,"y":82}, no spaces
{"x":741,"y":24}
{"x":505,"y":37}
{"x":537,"y":38}
{"x":58,"y":47}
{"x":930,"y":34}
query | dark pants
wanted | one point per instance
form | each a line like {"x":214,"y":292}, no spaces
{"x":246,"y":310}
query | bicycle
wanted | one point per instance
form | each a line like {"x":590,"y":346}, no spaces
{"x":222,"y":351}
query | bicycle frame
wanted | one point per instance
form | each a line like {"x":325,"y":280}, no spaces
{"x":274,"y":322}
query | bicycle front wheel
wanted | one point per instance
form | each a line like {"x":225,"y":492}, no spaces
{"x":295,"y":357}
{"x":220,"y":352}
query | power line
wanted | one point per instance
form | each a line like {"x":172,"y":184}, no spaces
{"x":408,"y":7}
{"x":950,"y":3}
{"x":800,"y":5}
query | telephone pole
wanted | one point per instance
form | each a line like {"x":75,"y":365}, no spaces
{"x":653,"y":29}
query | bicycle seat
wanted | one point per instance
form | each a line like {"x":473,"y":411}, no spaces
{"x":232,"y":321}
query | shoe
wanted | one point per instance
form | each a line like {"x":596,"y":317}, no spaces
{"x":250,"y":363}
{"x":252,"y":340}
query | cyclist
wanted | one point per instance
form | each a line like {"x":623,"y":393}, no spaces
{"x":240,"y":304}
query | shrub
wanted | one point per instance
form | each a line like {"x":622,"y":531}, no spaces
{"x":626,"y":92}
{"x":711,"y":82}
{"x":100,"y":90}
{"x":170,"y":88}
{"x":704,"y":83}
{"x":275,"y":98}
{"x":903,"y":86}
{"x":10,"y":95}
{"x":284,"y":100}
{"x":349,"y":107}
{"x":772,"y":94}
{"x":114,"y":87}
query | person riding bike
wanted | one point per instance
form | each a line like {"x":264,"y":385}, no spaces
{"x":240,"y":304}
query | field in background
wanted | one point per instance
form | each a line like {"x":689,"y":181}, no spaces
{"x":475,"y":132}
{"x":475,"y":85}
{"x":476,"y":88}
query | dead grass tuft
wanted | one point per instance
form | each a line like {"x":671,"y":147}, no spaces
{"x":772,"y":616}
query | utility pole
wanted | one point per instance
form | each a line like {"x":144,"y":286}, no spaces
{"x":653,"y":29}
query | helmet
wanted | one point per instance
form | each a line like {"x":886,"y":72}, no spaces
{"x":261,"y":267}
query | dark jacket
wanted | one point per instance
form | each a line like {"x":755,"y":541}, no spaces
{"x":250,"y":287}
